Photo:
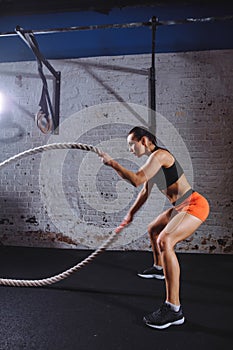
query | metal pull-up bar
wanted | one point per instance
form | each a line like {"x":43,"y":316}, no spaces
{"x":45,"y":103}
{"x":124,"y":25}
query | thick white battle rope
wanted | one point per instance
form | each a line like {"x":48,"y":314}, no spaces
{"x":49,"y":147}
{"x":65,"y":274}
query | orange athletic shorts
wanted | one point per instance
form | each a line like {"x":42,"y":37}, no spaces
{"x":195,"y":204}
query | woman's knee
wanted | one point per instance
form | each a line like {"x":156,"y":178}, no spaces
{"x":151,"y":229}
{"x":165,"y":242}
{"x":154,"y":230}
{"x":156,"y":226}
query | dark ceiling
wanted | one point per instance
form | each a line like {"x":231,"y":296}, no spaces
{"x":20,"y":7}
{"x":55,"y":19}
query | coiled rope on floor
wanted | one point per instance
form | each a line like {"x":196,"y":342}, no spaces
{"x":91,"y":257}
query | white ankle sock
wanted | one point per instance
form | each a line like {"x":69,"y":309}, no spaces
{"x":173,"y":306}
{"x":158,"y":267}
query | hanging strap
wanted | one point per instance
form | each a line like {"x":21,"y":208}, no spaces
{"x":45,"y":118}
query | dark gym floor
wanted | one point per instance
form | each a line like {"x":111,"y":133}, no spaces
{"x":102,"y":305}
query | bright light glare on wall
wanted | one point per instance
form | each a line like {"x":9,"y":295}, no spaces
{"x":1,"y":102}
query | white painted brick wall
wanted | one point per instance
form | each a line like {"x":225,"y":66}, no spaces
{"x":73,"y":201}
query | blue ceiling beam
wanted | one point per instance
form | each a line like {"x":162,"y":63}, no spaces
{"x":124,"y":41}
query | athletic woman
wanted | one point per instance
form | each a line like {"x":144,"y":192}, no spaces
{"x":189,"y":210}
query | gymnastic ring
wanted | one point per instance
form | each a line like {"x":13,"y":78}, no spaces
{"x":40,"y":118}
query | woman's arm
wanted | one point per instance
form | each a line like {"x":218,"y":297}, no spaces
{"x":141,"y":198}
{"x":143,"y":175}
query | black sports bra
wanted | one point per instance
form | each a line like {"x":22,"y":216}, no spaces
{"x":165,"y":177}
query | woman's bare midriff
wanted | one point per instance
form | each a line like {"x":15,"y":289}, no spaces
{"x":177,"y":190}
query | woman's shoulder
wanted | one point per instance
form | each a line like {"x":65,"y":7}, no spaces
{"x":164,"y":156}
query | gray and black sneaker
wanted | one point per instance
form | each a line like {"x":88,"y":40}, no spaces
{"x":152,"y":272}
{"x":164,"y":317}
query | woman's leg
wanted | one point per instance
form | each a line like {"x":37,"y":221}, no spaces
{"x":180,"y":227}
{"x":154,"y":229}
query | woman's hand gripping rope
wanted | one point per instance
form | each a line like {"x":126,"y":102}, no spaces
{"x":126,"y":221}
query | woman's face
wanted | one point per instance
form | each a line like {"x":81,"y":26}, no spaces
{"x":135,"y":147}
